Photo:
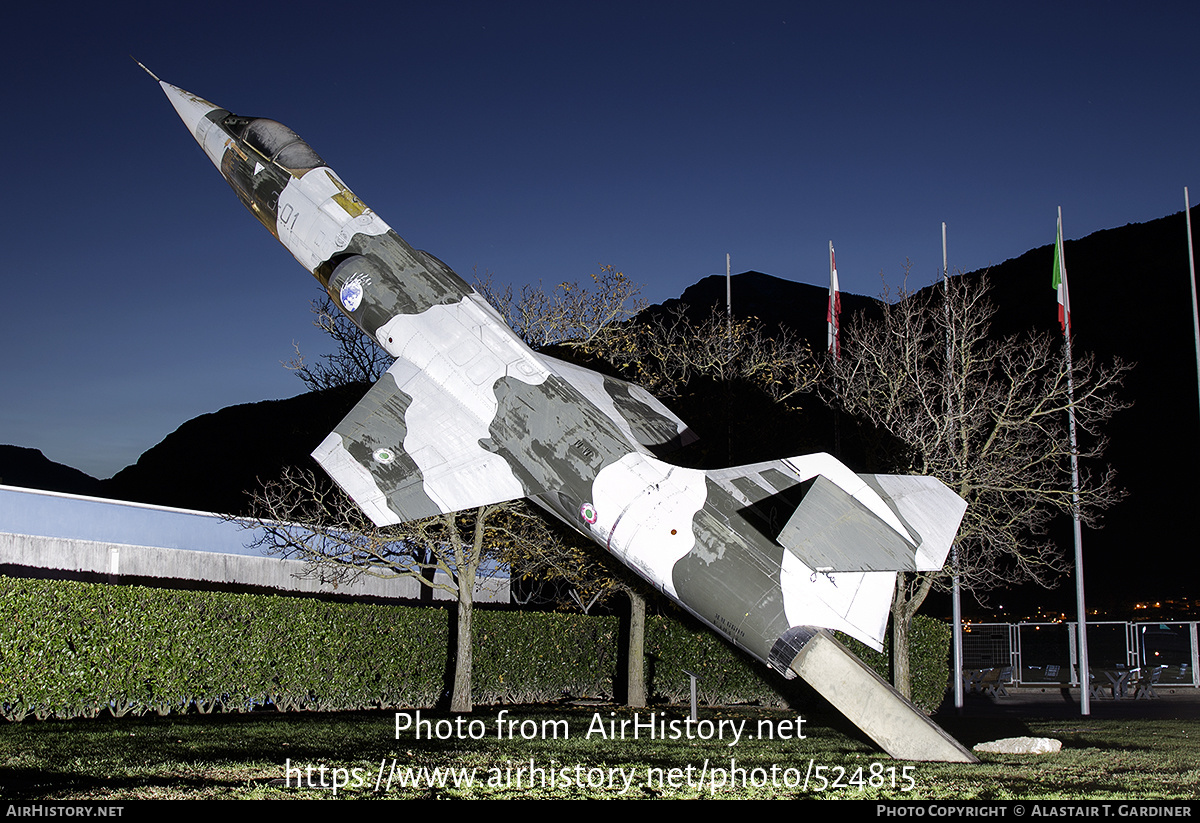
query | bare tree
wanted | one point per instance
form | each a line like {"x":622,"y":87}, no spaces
{"x":989,"y":418}
{"x":667,"y":352}
{"x":569,"y":315}
{"x":305,"y":517}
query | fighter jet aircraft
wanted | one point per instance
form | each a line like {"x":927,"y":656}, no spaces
{"x":770,"y":556}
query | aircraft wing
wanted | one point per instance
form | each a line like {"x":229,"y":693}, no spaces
{"x":365,"y":455}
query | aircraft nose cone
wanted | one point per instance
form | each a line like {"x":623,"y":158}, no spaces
{"x":192,"y":110}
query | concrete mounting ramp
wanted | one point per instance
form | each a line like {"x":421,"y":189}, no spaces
{"x":871,"y":703}
{"x":134,"y":543}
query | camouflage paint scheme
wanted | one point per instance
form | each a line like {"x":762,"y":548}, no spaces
{"x":766,"y":555}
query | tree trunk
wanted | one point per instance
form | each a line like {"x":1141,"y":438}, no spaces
{"x":901,"y":670}
{"x":467,"y":561}
{"x":460,"y":697}
{"x":911,"y":591}
{"x":635,"y":666}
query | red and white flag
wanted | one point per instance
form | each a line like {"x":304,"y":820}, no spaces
{"x":834,"y":308}
{"x":1060,"y":281}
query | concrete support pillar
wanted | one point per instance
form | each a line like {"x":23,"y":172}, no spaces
{"x":867,"y":700}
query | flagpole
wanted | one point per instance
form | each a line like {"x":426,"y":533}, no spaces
{"x":956,"y":594}
{"x":728,"y":298}
{"x":728,"y":347}
{"x":1064,"y":301}
{"x":834,"y":345}
{"x":1187,"y":212}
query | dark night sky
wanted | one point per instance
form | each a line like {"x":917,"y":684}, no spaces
{"x":537,"y":141}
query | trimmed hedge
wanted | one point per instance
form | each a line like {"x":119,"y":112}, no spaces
{"x":673,"y":649}
{"x":70,"y":649}
{"x":540,"y":657}
{"x":74,"y":649}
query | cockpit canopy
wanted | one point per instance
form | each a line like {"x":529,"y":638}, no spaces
{"x":274,"y":141}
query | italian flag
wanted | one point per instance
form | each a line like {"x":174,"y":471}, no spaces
{"x":1060,"y":281}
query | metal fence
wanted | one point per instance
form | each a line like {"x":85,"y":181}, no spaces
{"x":1122,"y":657}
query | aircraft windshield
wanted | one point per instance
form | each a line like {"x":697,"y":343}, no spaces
{"x":279,"y":143}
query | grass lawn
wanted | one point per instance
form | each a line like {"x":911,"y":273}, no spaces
{"x":573,"y":754}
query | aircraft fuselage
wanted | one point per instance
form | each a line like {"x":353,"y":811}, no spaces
{"x":469,"y":414}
